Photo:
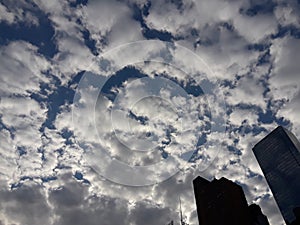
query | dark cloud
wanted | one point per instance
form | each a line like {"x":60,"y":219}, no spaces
{"x":26,"y":205}
{"x":144,"y":213}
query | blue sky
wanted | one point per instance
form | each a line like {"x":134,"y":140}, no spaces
{"x":172,"y":89}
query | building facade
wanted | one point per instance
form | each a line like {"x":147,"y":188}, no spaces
{"x":278,"y":155}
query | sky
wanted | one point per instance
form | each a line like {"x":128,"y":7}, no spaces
{"x":109,"y":109}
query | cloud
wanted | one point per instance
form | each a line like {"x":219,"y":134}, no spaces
{"x":21,"y":60}
{"x":261,"y":27}
{"x":23,"y":12}
{"x":217,"y":40}
{"x":23,"y":118}
{"x":247,"y":91}
{"x":6,"y":15}
{"x":72,"y":204}
{"x":8,"y":157}
{"x":284,"y":80}
{"x":27,"y":200}
{"x":110,"y":23}
{"x":237,"y":117}
{"x":287,"y":13}
{"x":143,"y":213}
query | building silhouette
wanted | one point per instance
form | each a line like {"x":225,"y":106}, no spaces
{"x":223,"y":202}
{"x":278,"y":155}
{"x":297,"y":215}
{"x":256,"y":215}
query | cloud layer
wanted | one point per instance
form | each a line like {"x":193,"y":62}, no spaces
{"x":246,"y":51}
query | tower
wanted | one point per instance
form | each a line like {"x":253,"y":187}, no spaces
{"x":220,"y":202}
{"x":278,"y":155}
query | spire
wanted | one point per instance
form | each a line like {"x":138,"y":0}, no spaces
{"x":181,"y":219}
{"x":181,"y":216}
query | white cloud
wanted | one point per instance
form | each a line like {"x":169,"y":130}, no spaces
{"x":238,"y":117}
{"x":24,"y":117}
{"x":284,"y":80}
{"x":22,"y":12}
{"x":113,"y":21}
{"x":287,"y":13}
{"x":247,"y":91}
{"x":254,"y":29}
{"x":6,"y":15}
{"x":8,"y":162}
{"x":22,"y":68}
{"x":291,"y":111}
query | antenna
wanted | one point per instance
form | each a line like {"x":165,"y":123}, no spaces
{"x":181,"y":219}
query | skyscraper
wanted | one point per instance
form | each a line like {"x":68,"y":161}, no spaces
{"x":220,"y":202}
{"x":278,"y":155}
{"x":223,"y":202}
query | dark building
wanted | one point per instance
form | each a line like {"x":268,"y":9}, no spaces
{"x":223,"y":202}
{"x":297,"y":215}
{"x":278,"y":155}
{"x":256,"y":215}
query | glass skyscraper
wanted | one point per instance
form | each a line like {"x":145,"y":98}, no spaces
{"x":278,"y":155}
